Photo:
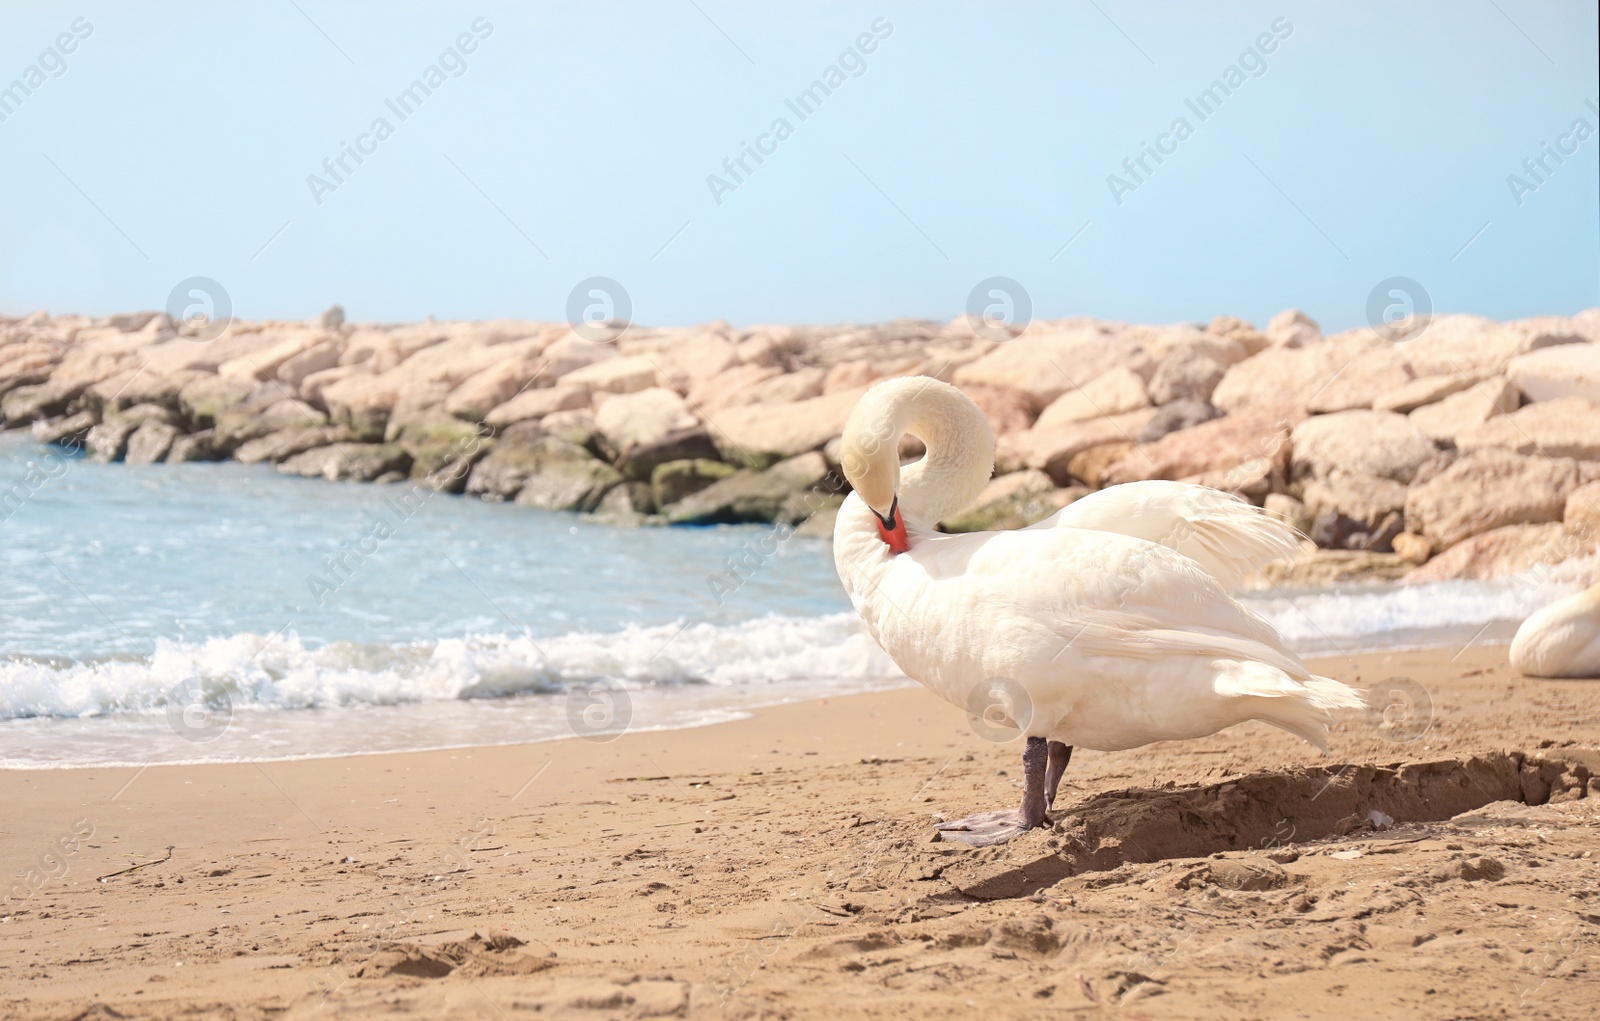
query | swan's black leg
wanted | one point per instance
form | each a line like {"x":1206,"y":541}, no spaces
{"x":988,"y":828}
{"x":1060,"y":755}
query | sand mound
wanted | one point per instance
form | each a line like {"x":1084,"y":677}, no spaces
{"x":498,"y":954}
{"x":1268,"y":809}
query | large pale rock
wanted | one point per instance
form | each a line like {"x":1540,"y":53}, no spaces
{"x":357,"y":462}
{"x":1112,"y":393}
{"x":1377,"y":443}
{"x":536,"y":404}
{"x":285,"y":443}
{"x":760,"y":349}
{"x":1252,"y":340}
{"x":1408,"y":397}
{"x":150,"y":442}
{"x":1169,"y":418}
{"x":1187,"y":374}
{"x":131,"y":322}
{"x":1349,"y":510}
{"x":87,"y":365}
{"x":564,"y":483}
{"x":442,"y":449}
{"x":195,"y":446}
{"x":69,"y":429}
{"x":649,"y":428}
{"x":321,"y":356}
{"x":703,"y":356}
{"x":571,"y":353}
{"x":1568,"y":370}
{"x":1247,"y":445}
{"x":788,"y":492}
{"x":36,"y":401}
{"x":671,"y":481}
{"x":849,"y":376}
{"x":1091,"y":466}
{"x":109,"y":440}
{"x":362,"y":403}
{"x":1562,"y":427}
{"x":260,"y":415}
{"x":489,"y":388}
{"x":1501,"y":552}
{"x":1549,"y":331}
{"x":264,"y":362}
{"x":27,"y":365}
{"x":800,"y":385}
{"x":1013,"y":501}
{"x":578,"y":428}
{"x":517,"y":455}
{"x":205,"y":397}
{"x":624,"y":375}
{"x":1582,"y":513}
{"x":177,"y":354}
{"x":1007,"y":411}
{"x":1047,"y":365}
{"x":758,"y":436}
{"x":1186,"y":341}
{"x":714,"y":393}
{"x":451,"y":363}
{"x":1290,"y":375}
{"x":1444,"y":421}
{"x":1464,"y":344}
{"x":497,"y":332}
{"x":645,"y":416}
{"x":313,"y":385}
{"x":1052,"y":450}
{"x":1487,"y":489}
{"x":1361,"y":381}
{"x":127,"y":389}
{"x":386,"y":349}
{"x":942,"y":361}
{"x":554,"y":472}
{"x":1292,"y":328}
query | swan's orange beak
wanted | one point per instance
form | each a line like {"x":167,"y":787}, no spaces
{"x":892,"y":529}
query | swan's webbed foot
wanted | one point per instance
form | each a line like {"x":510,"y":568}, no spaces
{"x":986,"y":829}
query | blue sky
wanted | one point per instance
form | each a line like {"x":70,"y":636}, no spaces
{"x":976,"y":142}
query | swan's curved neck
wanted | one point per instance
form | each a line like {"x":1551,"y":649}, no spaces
{"x":960,"y":446}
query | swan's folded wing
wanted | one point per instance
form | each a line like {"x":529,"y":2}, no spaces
{"x":1100,"y":633}
{"x":1104,"y":595}
{"x":1223,"y":534}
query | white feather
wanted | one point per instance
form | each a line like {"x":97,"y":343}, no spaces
{"x":1223,"y":534}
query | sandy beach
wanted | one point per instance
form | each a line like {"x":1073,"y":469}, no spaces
{"x":618,"y":511}
{"x":784,"y":866}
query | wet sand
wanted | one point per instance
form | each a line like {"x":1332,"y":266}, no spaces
{"x":784,"y":866}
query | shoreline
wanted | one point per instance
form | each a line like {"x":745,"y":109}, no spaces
{"x":720,"y":715}
{"x":790,"y":856}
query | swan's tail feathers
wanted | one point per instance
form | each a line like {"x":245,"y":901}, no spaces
{"x":1303,"y":708}
{"x":1334,"y":694}
{"x":1226,"y":536}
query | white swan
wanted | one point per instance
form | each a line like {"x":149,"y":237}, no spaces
{"x":1090,"y":628}
{"x":1561,"y":640}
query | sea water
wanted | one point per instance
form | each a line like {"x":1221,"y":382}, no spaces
{"x":216,"y":612}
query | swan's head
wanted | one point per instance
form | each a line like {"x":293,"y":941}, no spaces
{"x":947,"y":480}
{"x":869,"y":454}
